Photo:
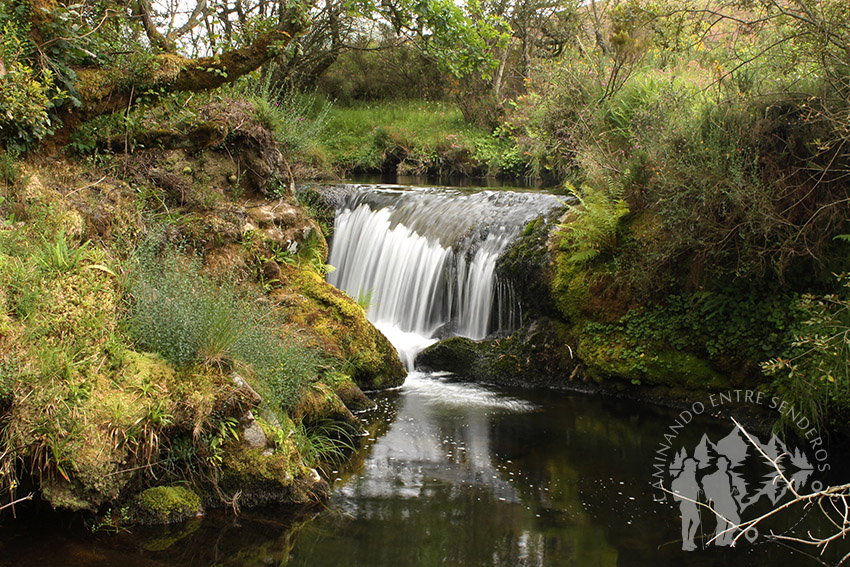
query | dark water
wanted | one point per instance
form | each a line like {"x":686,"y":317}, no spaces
{"x":454,"y":475}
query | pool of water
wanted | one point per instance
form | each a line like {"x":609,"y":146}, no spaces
{"x":454,"y":474}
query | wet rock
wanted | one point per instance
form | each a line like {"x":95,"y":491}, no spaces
{"x":539,"y":354}
{"x":252,"y":433}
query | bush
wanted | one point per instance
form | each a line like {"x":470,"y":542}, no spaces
{"x":27,"y":96}
{"x":815,"y":370}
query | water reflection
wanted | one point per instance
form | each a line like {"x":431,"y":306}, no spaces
{"x":451,"y":475}
{"x":432,"y":493}
{"x":468,"y":476}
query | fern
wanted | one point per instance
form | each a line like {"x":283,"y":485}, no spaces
{"x":593,"y":230}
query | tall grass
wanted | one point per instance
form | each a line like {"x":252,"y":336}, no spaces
{"x":189,"y":318}
{"x":324,"y":444}
{"x":297,"y":119}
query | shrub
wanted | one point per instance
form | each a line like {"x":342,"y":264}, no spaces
{"x":27,"y":96}
{"x":816,"y":369}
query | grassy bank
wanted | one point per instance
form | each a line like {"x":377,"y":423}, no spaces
{"x":164,"y":323}
{"x":415,"y":138}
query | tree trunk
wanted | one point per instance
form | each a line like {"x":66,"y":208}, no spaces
{"x":103,"y":92}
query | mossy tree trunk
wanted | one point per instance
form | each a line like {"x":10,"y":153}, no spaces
{"x":104,"y":90}
{"x":109,"y":88}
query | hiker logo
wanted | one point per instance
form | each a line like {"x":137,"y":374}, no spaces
{"x":711,"y":478}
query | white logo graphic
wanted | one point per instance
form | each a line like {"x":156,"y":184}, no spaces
{"x":710,"y":477}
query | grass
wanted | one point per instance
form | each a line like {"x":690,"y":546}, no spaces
{"x":324,"y":444}
{"x":424,"y":136}
{"x":189,"y":319}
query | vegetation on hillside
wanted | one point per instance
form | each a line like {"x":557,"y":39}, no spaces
{"x":163,"y":322}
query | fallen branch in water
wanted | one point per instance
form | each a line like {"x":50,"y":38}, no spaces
{"x":18,"y":501}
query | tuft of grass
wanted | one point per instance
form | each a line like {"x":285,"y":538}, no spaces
{"x":297,"y":119}
{"x":59,"y":256}
{"x":324,"y":444}
{"x":188,"y":318}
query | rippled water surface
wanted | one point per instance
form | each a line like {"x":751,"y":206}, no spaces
{"x":451,"y":474}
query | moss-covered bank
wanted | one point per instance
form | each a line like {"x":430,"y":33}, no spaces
{"x":166,"y":331}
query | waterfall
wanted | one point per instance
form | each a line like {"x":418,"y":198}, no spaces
{"x":427,"y":259}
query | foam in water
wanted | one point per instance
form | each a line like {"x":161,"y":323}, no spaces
{"x":428,"y":259}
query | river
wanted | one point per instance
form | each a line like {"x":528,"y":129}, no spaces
{"x":451,"y":474}
{"x":455,"y":474}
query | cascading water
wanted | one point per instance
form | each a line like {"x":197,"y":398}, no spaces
{"x":426,"y":258}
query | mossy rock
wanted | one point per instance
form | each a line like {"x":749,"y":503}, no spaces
{"x":166,"y":505}
{"x":340,"y":328}
{"x":261,"y":478}
{"x":526,"y":264}
{"x":351,"y":394}
{"x":612,"y":356}
{"x":319,"y":402}
{"x":536,"y":355}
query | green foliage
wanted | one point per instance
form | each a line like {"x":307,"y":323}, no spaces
{"x":228,"y":430}
{"x":319,"y":210}
{"x":59,"y":256}
{"x":189,"y":318}
{"x":324,"y":444}
{"x":738,"y":322}
{"x":593,"y":230}
{"x":388,"y":73}
{"x":297,"y":119}
{"x":364,"y":298}
{"x":457,"y":37}
{"x":27,"y":96}
{"x":815,"y":371}
{"x":179,"y":314}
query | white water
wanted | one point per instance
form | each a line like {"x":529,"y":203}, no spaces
{"x":427,"y":257}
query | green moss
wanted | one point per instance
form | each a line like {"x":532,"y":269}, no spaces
{"x":261,"y":478}
{"x":319,"y":403}
{"x":167,"y":505}
{"x":525,"y":263}
{"x":610,"y":355}
{"x":347,"y":391}
{"x":569,"y":288}
{"x":341,"y":328}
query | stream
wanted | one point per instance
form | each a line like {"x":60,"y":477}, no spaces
{"x":455,"y":474}
{"x":451,"y":474}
